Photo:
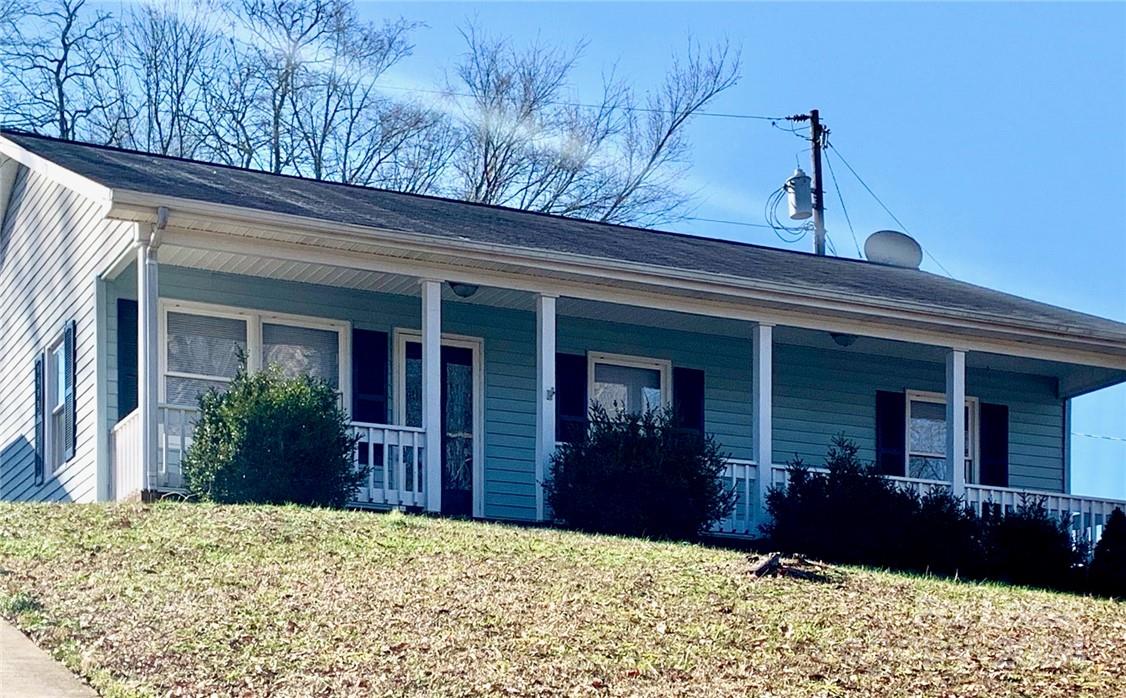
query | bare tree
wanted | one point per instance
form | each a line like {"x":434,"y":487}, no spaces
{"x":295,"y":86}
{"x":232,"y":98}
{"x":510,"y":114}
{"x":173,"y":50}
{"x":614,"y":160}
{"x":338,"y":113}
{"x":654,"y":152}
{"x":55,"y":63}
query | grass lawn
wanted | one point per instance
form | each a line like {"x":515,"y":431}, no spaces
{"x":201,"y":600}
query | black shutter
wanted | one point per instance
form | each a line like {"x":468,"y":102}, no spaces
{"x":570,"y":397}
{"x":688,"y":397}
{"x":70,"y":349}
{"x":994,"y":445}
{"x":39,"y":425}
{"x":126,"y":357}
{"x":369,"y":376}
{"x":891,"y":433}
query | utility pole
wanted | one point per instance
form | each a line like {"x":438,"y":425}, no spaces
{"x":816,"y":134}
{"x":817,"y":138}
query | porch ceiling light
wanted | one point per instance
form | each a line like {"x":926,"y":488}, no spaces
{"x":462,"y":290}
{"x":842,"y":339}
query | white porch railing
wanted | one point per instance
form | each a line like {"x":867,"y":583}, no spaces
{"x":125,"y":450}
{"x":174,"y":436}
{"x":741,"y":477}
{"x":1086,"y":515}
{"x":396,"y":454}
{"x":397,"y":458}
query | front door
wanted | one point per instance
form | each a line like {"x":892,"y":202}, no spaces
{"x":458,"y":417}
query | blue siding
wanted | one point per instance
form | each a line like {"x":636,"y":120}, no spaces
{"x":52,"y":243}
{"x":819,"y":393}
{"x":508,"y":339}
{"x":726,"y":362}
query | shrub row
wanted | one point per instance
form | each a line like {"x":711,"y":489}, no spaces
{"x":639,"y":475}
{"x":852,"y":514}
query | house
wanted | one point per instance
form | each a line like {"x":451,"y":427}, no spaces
{"x":466,"y":340}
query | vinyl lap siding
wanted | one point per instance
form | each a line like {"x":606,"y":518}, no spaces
{"x":726,"y":362}
{"x":52,"y":245}
{"x":508,"y":338}
{"x":819,"y":393}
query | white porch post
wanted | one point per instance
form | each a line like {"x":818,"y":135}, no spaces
{"x":545,"y":392}
{"x":147,"y":364}
{"x":956,"y":417}
{"x":762,"y":412}
{"x":432,"y":390}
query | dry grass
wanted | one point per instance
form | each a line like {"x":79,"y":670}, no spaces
{"x":201,"y":600}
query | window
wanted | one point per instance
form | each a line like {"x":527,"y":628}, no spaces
{"x":202,"y":352}
{"x":56,"y":405}
{"x":627,"y":383}
{"x":203,"y":346}
{"x":926,"y":437}
{"x":302,"y":351}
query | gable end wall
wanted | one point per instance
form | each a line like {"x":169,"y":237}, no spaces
{"x":53,"y":243}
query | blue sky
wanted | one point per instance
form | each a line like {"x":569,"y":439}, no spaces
{"x":995,"y":132}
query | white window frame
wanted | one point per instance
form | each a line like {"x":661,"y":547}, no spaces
{"x":400,"y":337}
{"x":663,"y":366}
{"x":973,"y":443}
{"x":254,"y":320}
{"x":54,"y":404}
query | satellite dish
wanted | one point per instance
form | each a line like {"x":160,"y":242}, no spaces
{"x":893,"y":248}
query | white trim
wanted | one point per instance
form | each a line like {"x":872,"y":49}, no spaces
{"x":149,"y":341}
{"x":68,"y":178}
{"x":545,"y":393}
{"x":974,"y":405}
{"x":54,"y":404}
{"x":400,"y":337}
{"x":124,"y":204}
{"x":102,"y":465}
{"x":254,"y":320}
{"x":889,"y":323}
{"x":762,"y":408}
{"x":1067,"y":443}
{"x":664,"y":366}
{"x":9,"y":168}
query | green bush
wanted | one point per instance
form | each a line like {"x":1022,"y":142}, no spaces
{"x":1029,"y":546}
{"x":945,"y":537}
{"x":639,"y":475}
{"x":849,"y":514}
{"x":1108,"y":568}
{"x":270,"y":439}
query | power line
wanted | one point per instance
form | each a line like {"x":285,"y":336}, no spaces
{"x":1099,"y":436}
{"x":851,"y":230}
{"x":727,"y":222}
{"x":583,"y":105}
{"x":884,"y":206}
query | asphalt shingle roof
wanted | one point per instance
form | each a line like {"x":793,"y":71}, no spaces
{"x":159,"y":175}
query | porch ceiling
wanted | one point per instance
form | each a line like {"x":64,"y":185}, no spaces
{"x":1074,"y":379}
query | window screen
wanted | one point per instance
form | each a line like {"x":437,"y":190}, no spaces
{"x":302,"y":351}
{"x":55,"y":404}
{"x":926,"y":441}
{"x":203,"y":352}
{"x":205,"y":346}
{"x":626,"y":388}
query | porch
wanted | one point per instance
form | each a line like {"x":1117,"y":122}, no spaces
{"x":769,"y":391}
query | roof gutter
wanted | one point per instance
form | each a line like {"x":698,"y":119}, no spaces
{"x":143,"y":207}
